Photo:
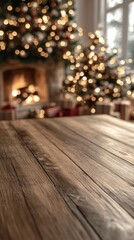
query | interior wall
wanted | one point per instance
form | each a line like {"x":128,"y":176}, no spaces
{"x":89,"y":16}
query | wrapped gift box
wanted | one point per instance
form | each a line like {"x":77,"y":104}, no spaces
{"x":69,"y":112}
{"x":83,"y":110}
{"x":125,"y":110}
{"x":1,"y":115}
{"x":104,"y":108}
{"x":9,"y":114}
{"x":52,"y":111}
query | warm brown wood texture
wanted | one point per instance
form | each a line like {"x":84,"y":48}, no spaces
{"x":67,"y":179}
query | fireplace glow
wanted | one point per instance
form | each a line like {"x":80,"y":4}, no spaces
{"x":31,"y":88}
{"x":15,"y":92}
{"x":29,"y":100}
{"x":36,"y":98}
{"x":26,"y":95}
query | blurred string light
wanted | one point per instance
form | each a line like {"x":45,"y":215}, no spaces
{"x":96,"y":74}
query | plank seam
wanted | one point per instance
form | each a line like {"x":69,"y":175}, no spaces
{"x":78,"y":216}
{"x":104,"y":134}
{"x":88,"y":175}
{"x":25,"y":199}
{"x":115,"y":123}
{"x":96,"y":143}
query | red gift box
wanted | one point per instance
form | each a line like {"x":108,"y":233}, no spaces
{"x":8,"y":112}
{"x":52,"y":110}
{"x":69,"y":112}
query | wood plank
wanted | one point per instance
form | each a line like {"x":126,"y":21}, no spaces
{"x":115,"y":121}
{"x":97,"y":207}
{"x":106,"y":129}
{"x":113,"y":146}
{"x":99,"y":155}
{"x":16,"y":221}
{"x":120,"y":129}
{"x":50,"y":212}
{"x":75,"y":148}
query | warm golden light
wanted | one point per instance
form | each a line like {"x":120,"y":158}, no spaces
{"x":93,"y":110}
{"x":1,"y":33}
{"x":9,"y":8}
{"x":79,"y":98}
{"x":31,"y":88}
{"x":36,"y":98}
{"x":15,"y":93}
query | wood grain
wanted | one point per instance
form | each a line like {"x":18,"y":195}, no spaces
{"x":66,"y":179}
{"x":115,"y":121}
{"x":78,"y":149}
{"x":114,"y":132}
{"x":111,"y":145}
{"x":51,"y":215}
{"x":70,"y":180}
{"x":14,"y":212}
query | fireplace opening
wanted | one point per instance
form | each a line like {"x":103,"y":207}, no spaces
{"x":25,"y":86}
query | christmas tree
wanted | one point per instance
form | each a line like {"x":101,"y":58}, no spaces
{"x":36,"y":30}
{"x":8,"y":26}
{"x":97,"y":74}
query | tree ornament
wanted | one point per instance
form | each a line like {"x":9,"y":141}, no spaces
{"x":28,"y":18}
{"x":24,"y":8}
{"x":55,"y":13}
{"x":11,"y":44}
{"x":28,"y":38}
{"x":35,"y":5}
{"x":40,"y":36}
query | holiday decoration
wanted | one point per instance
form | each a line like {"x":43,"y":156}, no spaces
{"x":37,"y":30}
{"x":67,"y":101}
{"x":69,"y":112}
{"x":125,"y":110}
{"x":51,"y":110}
{"x":104,"y":108}
{"x":96,"y":74}
{"x":123,"y":107}
{"x":8,"y":112}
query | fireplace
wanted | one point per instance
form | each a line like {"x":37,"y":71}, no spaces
{"x":46,"y":78}
{"x":25,"y":86}
{"x":30,"y":85}
{"x":19,"y":77}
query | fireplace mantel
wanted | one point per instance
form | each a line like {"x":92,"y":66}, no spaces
{"x":16,"y":64}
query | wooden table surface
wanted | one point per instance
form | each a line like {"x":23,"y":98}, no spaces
{"x":67,"y":179}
